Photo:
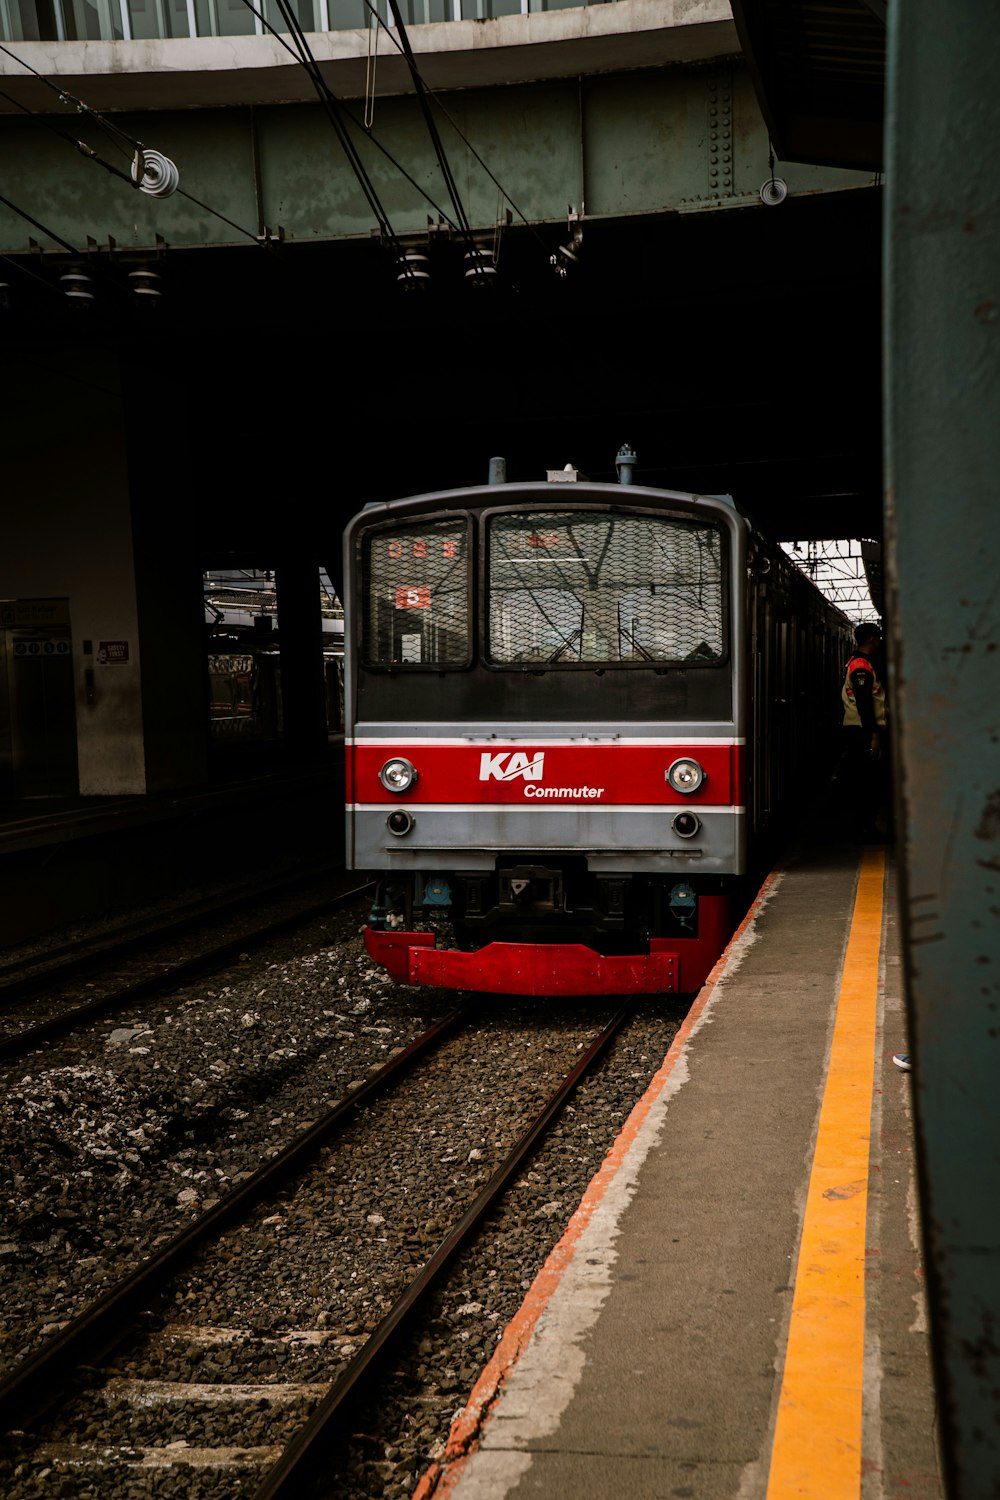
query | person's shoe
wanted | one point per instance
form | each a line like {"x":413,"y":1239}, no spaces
{"x":902,"y":1061}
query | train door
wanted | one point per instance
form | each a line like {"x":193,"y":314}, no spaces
{"x":783,"y":758}
{"x":761,"y":657}
{"x":802,"y":728}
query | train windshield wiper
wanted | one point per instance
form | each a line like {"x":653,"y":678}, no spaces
{"x":568,"y":641}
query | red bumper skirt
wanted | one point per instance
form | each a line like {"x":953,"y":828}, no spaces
{"x":555,"y":968}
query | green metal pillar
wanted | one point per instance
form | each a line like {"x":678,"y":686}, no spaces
{"x":943,"y":529}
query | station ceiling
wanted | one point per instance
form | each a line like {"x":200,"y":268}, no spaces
{"x":819,"y":74}
{"x":271,"y":394}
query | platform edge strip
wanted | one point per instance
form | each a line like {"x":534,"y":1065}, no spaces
{"x":816,"y":1450}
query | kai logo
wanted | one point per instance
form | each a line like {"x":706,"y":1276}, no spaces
{"x":508,"y":765}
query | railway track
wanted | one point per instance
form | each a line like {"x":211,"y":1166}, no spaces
{"x":39,"y":1005}
{"x":283,"y":1466}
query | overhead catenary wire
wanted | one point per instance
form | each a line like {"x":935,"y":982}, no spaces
{"x":136,"y":153}
{"x":334,"y":112}
{"x":221,"y":217}
{"x":432,"y":130}
{"x":71,"y":140}
{"x":432,"y":94}
{"x":27,"y":271}
{"x":42,"y":228}
{"x":118,"y":135}
{"x":77,"y":255}
{"x":319,"y":82}
{"x":131,"y":144}
{"x":334,"y":107}
{"x":495,"y":180}
{"x":90,"y":154}
{"x":355,"y":121}
{"x":331,"y":103}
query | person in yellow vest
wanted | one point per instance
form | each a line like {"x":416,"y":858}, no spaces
{"x":866,"y":733}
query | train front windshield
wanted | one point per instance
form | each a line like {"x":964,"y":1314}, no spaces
{"x":418,"y":595}
{"x":597,"y":589}
{"x":583,"y":588}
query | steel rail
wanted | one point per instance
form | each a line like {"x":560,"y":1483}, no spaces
{"x":189,"y":968}
{"x":286,"y":1479}
{"x":28,"y":1391}
{"x":25,"y":976}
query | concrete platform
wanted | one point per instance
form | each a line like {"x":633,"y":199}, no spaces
{"x":737,"y":1308}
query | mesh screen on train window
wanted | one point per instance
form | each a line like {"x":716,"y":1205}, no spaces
{"x":417,"y":595}
{"x":569,"y":587}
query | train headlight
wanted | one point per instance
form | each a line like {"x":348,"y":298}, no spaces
{"x":399,"y":822}
{"x":685,"y":775}
{"x":397,"y":775}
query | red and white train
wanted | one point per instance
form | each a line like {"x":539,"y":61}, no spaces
{"x":574,"y":713}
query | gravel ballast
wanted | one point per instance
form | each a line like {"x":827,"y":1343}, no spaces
{"x":117,"y":1139}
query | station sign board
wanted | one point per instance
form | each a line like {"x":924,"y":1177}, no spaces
{"x":31,"y":613}
{"x":112,"y":653}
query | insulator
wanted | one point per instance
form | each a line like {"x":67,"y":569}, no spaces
{"x":774,"y":191}
{"x":145,"y":284}
{"x":78,"y":286}
{"x":479,"y":267}
{"x":625,"y":463}
{"x":414,"y":272}
{"x":159,"y":175}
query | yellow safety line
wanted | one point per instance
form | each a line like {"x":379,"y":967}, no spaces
{"x":817,"y":1439}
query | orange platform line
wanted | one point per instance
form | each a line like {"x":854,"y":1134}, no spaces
{"x":816,"y":1451}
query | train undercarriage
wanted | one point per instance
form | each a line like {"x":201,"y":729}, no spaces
{"x":555,"y":927}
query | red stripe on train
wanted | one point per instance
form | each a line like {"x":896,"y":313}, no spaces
{"x":547,"y":775}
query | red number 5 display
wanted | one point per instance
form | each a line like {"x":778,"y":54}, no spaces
{"x":419,"y":598}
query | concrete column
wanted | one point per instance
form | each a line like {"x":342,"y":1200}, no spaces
{"x":170,"y":599}
{"x":68,"y":533}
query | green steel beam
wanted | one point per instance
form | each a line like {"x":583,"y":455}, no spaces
{"x":943,"y":520}
{"x":655,"y":140}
